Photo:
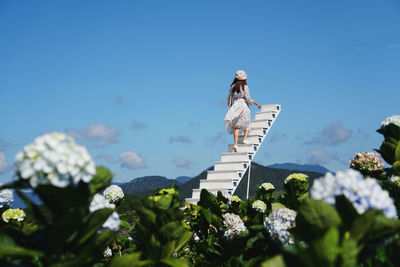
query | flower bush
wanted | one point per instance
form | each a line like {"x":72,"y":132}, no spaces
{"x":13,"y":214}
{"x":364,"y":194}
{"x":297,"y":176}
{"x":395,"y":119}
{"x":55,"y":159}
{"x":6,"y":197}
{"x":267,"y":186}
{"x":113,"y":193}
{"x":234,"y":225}
{"x":367,"y":162}
{"x":278,"y":223}
{"x":235,"y":199}
{"x":107,"y":252}
{"x":259,"y":206}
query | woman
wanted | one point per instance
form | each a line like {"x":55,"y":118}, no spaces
{"x":238,"y":116}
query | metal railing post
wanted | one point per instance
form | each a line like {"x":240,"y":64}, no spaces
{"x":248,"y":182}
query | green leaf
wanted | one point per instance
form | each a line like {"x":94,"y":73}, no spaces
{"x":8,"y":248}
{"x":388,"y":149}
{"x":276,"y":261}
{"x":64,"y":230}
{"x":146,"y":215}
{"x":314,"y":217}
{"x":208,"y":200}
{"x":61,"y":200}
{"x":346,"y":210}
{"x":185,"y":237}
{"x":326,"y":248}
{"x":277,"y":206}
{"x":207,"y":214}
{"x":100,"y":180}
{"x":164,"y":202}
{"x":125,"y":224}
{"x":129,"y":260}
{"x":92,"y":224}
{"x":174,"y":262}
{"x":373,"y":225}
{"x":95,"y":247}
{"x":396,"y":167}
{"x":349,"y":252}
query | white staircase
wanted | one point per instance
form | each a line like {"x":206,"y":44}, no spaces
{"x":229,"y":171}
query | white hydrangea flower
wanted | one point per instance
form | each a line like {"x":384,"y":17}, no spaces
{"x":113,"y":193}
{"x":13,"y":214}
{"x":235,"y":198}
{"x":367,"y":161}
{"x":365,"y":193}
{"x":267,"y":186}
{"x":100,"y":202}
{"x":107,"y":252}
{"x":279,"y":222}
{"x":259,"y":206}
{"x":297,"y":176}
{"x":395,"y":180}
{"x":234,"y":225}
{"x":6,"y":197}
{"x":395,"y":119}
{"x":56,"y":159}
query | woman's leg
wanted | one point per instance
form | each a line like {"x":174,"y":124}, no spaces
{"x":236,"y":135}
{"x":246,"y":133}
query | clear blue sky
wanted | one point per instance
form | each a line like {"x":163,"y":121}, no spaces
{"x":141,"y":83}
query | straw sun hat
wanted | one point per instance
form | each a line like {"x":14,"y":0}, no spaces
{"x":241,"y":75}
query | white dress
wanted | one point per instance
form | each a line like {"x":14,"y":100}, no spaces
{"x":238,"y":115}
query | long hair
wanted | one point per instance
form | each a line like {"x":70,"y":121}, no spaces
{"x":238,"y":85}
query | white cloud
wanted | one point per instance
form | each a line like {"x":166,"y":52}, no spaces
{"x":182,"y":163}
{"x":3,"y":145}
{"x":393,"y":46}
{"x":180,"y":139}
{"x":131,"y":160}
{"x":319,"y":156}
{"x":101,"y":134}
{"x":278,"y":137}
{"x":4,"y":167}
{"x":332,"y":134}
{"x":220,"y":138}
{"x":106,"y":157}
{"x":136,"y":125}
{"x":118,"y":100}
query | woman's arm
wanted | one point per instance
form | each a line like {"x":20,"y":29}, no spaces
{"x":255,"y":103}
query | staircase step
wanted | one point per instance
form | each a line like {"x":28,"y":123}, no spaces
{"x":260,"y":123}
{"x":218,"y":184}
{"x":244,"y":148}
{"x":271,"y":107}
{"x":266,"y":115}
{"x":192,"y":200}
{"x":252,"y":138}
{"x":236,"y":156}
{"x":231,"y":166}
{"x":218,"y":175}
{"x":259,"y":131}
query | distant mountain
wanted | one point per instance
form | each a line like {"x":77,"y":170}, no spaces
{"x":147,"y":183}
{"x":183,"y":179}
{"x":300,"y":167}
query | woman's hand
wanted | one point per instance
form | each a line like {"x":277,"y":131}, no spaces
{"x":258,"y":105}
